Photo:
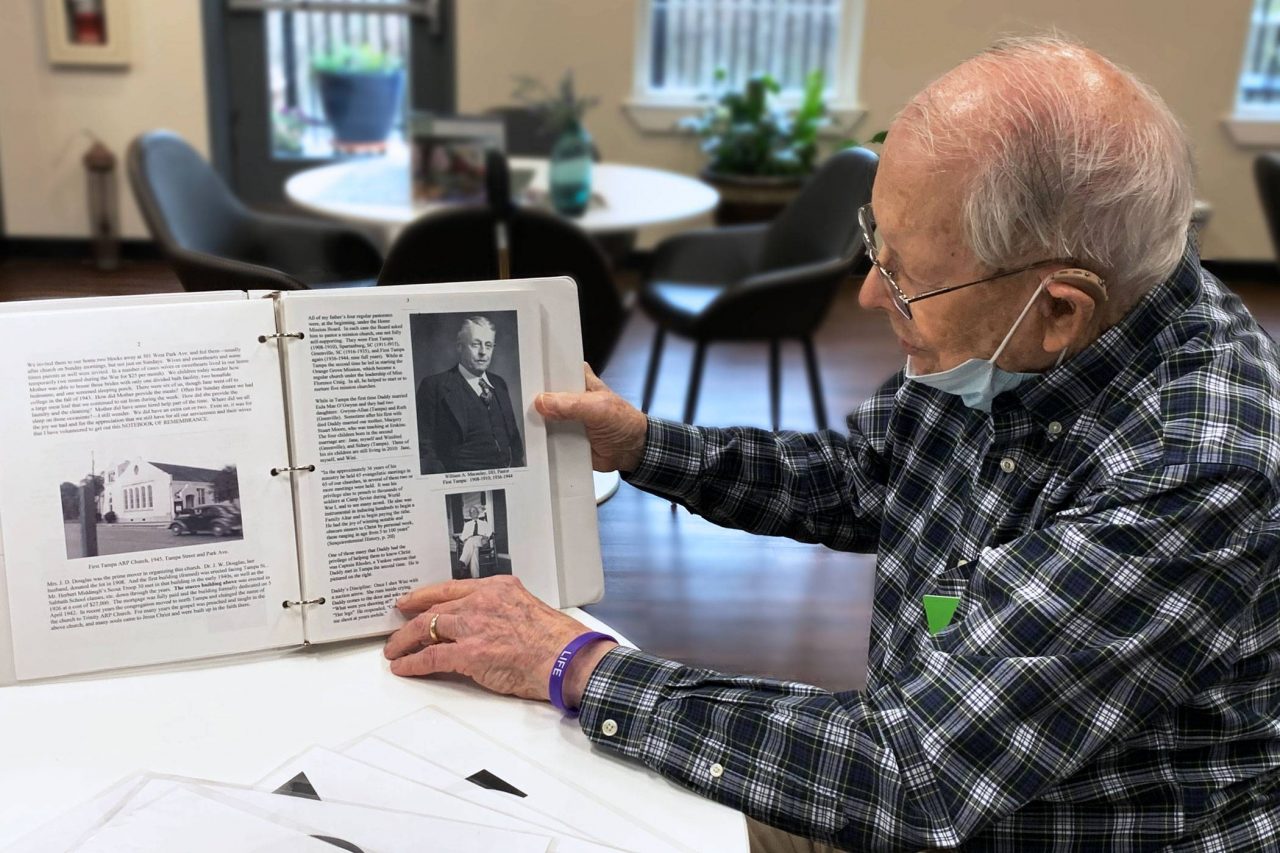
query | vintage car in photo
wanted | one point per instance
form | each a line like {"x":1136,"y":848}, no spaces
{"x":218,"y":519}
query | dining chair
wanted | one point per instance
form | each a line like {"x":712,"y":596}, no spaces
{"x":503,"y":240}
{"x":764,"y":282}
{"x":215,"y":242}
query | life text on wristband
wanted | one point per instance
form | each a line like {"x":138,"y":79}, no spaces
{"x":555,"y":688}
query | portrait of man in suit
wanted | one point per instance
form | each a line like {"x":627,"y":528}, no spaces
{"x":466,"y":420}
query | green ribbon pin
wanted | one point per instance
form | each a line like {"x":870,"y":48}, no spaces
{"x":938,"y":610}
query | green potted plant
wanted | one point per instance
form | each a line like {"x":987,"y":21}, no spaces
{"x":759,"y":154}
{"x":561,"y":110}
{"x":360,"y":88}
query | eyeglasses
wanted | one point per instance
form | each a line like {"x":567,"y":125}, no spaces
{"x":900,"y":300}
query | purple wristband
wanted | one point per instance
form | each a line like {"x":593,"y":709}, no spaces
{"x":555,"y":688}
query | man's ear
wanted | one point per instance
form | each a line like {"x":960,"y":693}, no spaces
{"x":1070,"y":317}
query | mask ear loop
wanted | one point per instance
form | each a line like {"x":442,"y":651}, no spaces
{"x":1018,"y":322}
{"x":1090,"y":283}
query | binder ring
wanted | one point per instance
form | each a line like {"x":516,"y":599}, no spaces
{"x":286,"y":604}
{"x":262,"y":339}
{"x":277,"y":471}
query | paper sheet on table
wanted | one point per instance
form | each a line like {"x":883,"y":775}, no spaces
{"x":67,"y":829}
{"x":391,"y":758}
{"x":183,"y":819}
{"x":361,"y":827}
{"x":340,"y":778}
{"x":442,"y":739}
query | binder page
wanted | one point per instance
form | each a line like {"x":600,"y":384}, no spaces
{"x":416,"y":409}
{"x":140,"y":521}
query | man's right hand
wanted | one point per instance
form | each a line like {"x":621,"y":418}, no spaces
{"x":615,"y":428}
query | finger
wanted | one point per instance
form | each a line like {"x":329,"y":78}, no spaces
{"x":594,"y":383}
{"x":409,"y":637}
{"x":424,"y":597}
{"x":442,"y":657}
{"x":558,"y":405}
{"x":448,"y":626}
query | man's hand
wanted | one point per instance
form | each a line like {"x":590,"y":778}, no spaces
{"x":493,"y":631}
{"x":615,"y":428}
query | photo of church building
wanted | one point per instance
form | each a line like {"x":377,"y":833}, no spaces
{"x":137,"y":490}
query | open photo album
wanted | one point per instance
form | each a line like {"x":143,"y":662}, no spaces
{"x":195,"y":475}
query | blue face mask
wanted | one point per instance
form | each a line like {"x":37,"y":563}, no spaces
{"x":978,"y":381}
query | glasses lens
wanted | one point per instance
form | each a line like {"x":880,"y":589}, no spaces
{"x":871,"y":238}
{"x":895,"y":295}
{"x":867,"y":222}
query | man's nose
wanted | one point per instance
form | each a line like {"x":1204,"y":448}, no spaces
{"x":872,"y":296}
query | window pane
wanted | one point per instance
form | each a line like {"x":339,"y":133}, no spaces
{"x":691,"y":39}
{"x":1260,"y":79}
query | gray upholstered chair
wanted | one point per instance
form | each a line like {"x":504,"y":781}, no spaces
{"x":767,"y":282}
{"x":216,"y":243}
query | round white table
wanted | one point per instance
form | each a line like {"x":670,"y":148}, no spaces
{"x":375,"y":192}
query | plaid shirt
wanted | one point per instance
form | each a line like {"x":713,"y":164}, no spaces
{"x":1111,"y":678}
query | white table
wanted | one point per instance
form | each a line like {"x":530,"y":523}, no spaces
{"x":238,"y":719}
{"x":375,"y":192}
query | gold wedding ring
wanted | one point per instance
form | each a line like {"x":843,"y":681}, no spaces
{"x":435,"y":638}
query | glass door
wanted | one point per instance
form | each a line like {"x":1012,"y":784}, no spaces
{"x":312,"y":81}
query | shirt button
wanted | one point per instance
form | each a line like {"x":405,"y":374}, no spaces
{"x":1007,"y":465}
{"x":1055,"y":428}
{"x":609,"y":727}
{"x":716,"y":771}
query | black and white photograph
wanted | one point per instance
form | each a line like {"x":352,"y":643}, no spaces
{"x":466,"y":367}
{"x":123,"y":500}
{"x":478,"y":544}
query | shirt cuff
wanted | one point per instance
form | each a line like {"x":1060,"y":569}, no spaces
{"x":620,"y":698}
{"x":671,"y":461}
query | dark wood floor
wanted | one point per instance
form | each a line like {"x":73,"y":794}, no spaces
{"x":676,"y":585}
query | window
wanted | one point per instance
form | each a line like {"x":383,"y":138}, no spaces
{"x":1260,"y":79}
{"x":690,"y":39}
{"x":1256,"y":118}
{"x":682,"y":44}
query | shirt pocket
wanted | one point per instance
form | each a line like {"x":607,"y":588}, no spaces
{"x":954,"y":582}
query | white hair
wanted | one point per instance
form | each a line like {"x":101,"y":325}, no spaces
{"x":1066,"y":164}
{"x":479,"y":321}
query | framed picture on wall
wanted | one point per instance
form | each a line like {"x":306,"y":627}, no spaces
{"x":87,"y":32}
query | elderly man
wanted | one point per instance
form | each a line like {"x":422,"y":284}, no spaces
{"x":1082,"y":455}
{"x":465,"y":419}
{"x":474,"y":535}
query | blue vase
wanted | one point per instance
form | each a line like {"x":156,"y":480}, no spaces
{"x":361,"y":107}
{"x":570,"y":176}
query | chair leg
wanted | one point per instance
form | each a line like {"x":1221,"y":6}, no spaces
{"x":775,"y":382}
{"x":815,"y":383}
{"x":695,"y":380}
{"x":651,"y":378}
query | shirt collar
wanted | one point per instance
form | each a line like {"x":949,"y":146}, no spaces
{"x":473,"y":378}
{"x":1061,"y":394}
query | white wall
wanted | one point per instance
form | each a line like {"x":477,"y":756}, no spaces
{"x":44,"y":111}
{"x":1190,"y":50}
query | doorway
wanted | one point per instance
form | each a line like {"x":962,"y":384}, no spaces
{"x":268,"y":118}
